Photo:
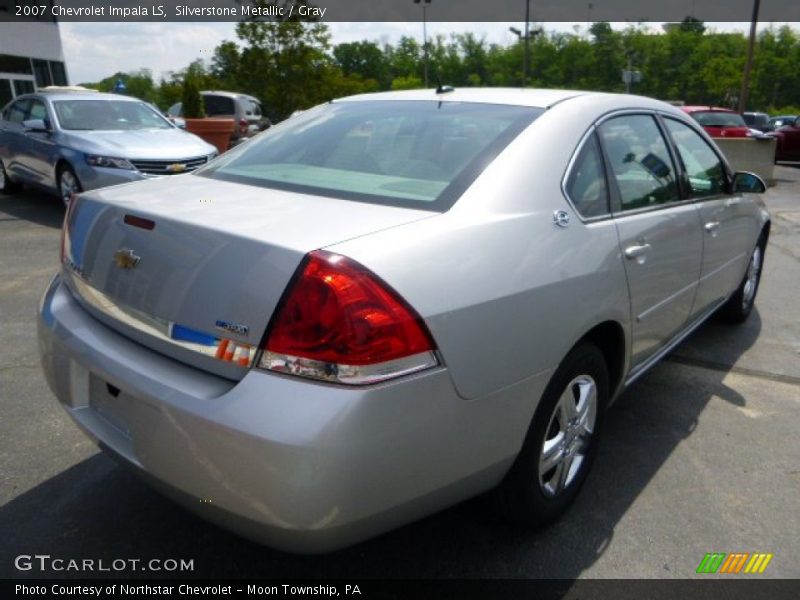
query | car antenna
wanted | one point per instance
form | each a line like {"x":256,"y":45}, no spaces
{"x":442,"y":89}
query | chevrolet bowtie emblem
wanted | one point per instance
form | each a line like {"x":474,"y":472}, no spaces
{"x":176,"y":168}
{"x":126,"y":259}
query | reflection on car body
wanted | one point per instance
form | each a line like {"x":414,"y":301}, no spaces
{"x":66,"y":141}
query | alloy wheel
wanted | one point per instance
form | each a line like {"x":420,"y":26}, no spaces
{"x":68,"y":186}
{"x":751,"y":280}
{"x":568,"y":435}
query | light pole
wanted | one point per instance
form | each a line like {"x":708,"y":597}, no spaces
{"x":527,"y":37}
{"x":748,"y":65}
{"x":424,"y":4}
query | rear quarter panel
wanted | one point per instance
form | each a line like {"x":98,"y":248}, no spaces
{"x":505,"y":292}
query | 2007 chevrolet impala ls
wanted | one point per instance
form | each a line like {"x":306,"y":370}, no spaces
{"x":393,"y":302}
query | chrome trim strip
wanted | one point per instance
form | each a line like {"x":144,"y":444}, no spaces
{"x":641,"y":369}
{"x":222,"y":349}
{"x":722,"y":267}
{"x":641,"y":317}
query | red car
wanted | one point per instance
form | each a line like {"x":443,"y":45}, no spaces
{"x":788,"y":147}
{"x":718,"y":122}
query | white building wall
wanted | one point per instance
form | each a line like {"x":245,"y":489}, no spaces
{"x":32,"y":39}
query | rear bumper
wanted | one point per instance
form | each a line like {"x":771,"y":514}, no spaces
{"x":301,"y":466}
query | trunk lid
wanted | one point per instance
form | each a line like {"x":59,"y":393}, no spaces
{"x":214,"y":265}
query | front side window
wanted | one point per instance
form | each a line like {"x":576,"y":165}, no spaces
{"x":703,"y":167}
{"x":37,"y":110}
{"x":586,"y":183}
{"x":410,"y":153}
{"x":107,"y":115}
{"x":640,"y":161}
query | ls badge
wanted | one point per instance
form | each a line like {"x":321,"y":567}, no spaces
{"x":126,"y":259}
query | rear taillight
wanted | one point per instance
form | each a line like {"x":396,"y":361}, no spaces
{"x":73,"y":202}
{"x":339,"y":322}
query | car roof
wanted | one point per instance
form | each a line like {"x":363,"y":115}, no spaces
{"x":78,"y":95}
{"x":230,"y":95}
{"x":541,"y":98}
{"x":601,"y":102}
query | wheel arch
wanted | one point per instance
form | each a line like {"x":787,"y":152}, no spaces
{"x":609,"y":337}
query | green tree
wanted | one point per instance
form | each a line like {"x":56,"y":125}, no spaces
{"x":286,"y":63}
{"x":363,"y":59}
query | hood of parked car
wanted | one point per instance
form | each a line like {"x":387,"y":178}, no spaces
{"x":141,"y":144}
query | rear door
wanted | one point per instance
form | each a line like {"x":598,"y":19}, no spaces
{"x":659,"y":231}
{"x":13,"y":139}
{"x":727,"y":226}
{"x":38,"y":155}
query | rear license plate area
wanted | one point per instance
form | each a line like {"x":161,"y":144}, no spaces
{"x":108,"y":402}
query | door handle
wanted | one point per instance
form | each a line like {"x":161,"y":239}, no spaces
{"x":712,"y":226}
{"x":732,"y":202}
{"x":637,"y":251}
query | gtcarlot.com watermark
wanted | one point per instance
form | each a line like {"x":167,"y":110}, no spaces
{"x":47,"y":564}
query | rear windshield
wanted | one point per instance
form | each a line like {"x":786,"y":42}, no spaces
{"x":719,"y":119}
{"x":420,"y":154}
{"x":107,"y":115}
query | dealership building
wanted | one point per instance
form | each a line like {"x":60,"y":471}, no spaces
{"x":31,"y":55}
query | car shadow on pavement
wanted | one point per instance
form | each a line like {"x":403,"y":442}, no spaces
{"x":97,"y":509}
{"x":33,"y":206}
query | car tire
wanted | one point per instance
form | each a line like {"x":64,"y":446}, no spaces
{"x":740,"y":304}
{"x":561,"y":442}
{"x":68,"y":183}
{"x":6,"y":185}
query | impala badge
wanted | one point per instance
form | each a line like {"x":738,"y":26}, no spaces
{"x":126,"y":259}
{"x":232,"y":327}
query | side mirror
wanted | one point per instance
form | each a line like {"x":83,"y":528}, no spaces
{"x":179,"y":122}
{"x":37,"y":125}
{"x":748,"y":183}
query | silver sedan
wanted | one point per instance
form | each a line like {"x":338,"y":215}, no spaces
{"x":393,"y":302}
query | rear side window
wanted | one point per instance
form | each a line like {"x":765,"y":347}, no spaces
{"x":218,"y":105}
{"x":718,"y":119}
{"x":421,"y":154}
{"x":586,"y":183}
{"x":640,"y":161}
{"x":703,"y":167}
{"x":16,"y":113}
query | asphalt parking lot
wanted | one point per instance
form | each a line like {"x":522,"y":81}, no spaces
{"x":701,"y":455}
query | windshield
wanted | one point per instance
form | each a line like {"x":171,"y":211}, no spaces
{"x":107,"y":115}
{"x":422,"y":154}
{"x":719,"y":119}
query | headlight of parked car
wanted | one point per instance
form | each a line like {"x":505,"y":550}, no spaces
{"x":109,"y":162}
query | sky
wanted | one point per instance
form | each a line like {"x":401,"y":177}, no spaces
{"x":97,"y":50}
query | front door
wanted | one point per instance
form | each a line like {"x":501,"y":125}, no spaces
{"x":727,"y":225}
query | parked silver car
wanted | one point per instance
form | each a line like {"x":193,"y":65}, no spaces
{"x":393,"y":302}
{"x":68,"y":141}
{"x":245,"y":110}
